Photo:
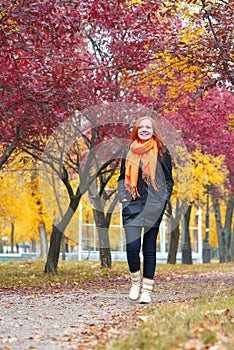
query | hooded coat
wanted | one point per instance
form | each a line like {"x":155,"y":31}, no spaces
{"x":147,"y":209}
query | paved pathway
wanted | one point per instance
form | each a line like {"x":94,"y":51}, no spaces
{"x":77,"y":318}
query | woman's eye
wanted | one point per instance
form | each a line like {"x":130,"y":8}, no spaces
{"x":145,"y":127}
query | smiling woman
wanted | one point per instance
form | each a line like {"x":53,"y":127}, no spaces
{"x":144,"y":186}
{"x":145,"y":129}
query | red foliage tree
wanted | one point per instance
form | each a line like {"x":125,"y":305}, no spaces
{"x":61,"y":57}
{"x":208,"y":127}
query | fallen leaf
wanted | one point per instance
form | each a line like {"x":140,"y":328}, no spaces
{"x":144,"y":318}
{"x":218,"y":312}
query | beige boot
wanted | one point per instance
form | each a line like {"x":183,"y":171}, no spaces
{"x":146,"y":290}
{"x":136,"y":285}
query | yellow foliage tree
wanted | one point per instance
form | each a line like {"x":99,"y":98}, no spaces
{"x":176,"y":75}
{"x":21,"y":205}
{"x":206,"y":171}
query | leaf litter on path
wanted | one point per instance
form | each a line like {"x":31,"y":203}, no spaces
{"x":83,"y":315}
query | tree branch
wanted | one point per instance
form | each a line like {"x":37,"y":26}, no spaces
{"x":225,"y":66}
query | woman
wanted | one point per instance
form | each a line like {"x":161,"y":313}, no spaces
{"x":144,"y":186}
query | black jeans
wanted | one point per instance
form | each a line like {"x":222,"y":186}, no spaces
{"x":133,"y":247}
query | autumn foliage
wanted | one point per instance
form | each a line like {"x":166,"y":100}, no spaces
{"x":175,"y":58}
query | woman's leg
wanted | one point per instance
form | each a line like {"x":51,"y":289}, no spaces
{"x":133,"y":246}
{"x":133,"y":241}
{"x":149,"y":264}
{"x":149,"y":247}
{"x":149,"y":252}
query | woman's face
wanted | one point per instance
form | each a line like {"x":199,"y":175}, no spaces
{"x":145,"y":130}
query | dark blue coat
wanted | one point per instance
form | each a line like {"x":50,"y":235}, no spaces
{"x":147,"y":210}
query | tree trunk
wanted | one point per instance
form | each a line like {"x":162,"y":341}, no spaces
{"x":232,"y":246}
{"x":6,"y":155}
{"x":33,"y":246}
{"x":224,"y":232}
{"x":54,"y":250}
{"x":63,"y":248}
{"x":187,"y":241}
{"x":43,"y":240}
{"x":219,"y":227}
{"x":105,"y":257}
{"x":174,"y":242}
{"x":12,"y":237}
{"x":103,"y":238}
{"x":228,"y":226}
{"x":56,"y":236}
{"x":175,"y":233}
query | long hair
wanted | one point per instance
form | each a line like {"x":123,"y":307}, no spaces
{"x":156,"y":135}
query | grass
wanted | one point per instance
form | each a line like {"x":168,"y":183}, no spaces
{"x":31,"y":273}
{"x":200,"y":324}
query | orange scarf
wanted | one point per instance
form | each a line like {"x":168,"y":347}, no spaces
{"x":147,"y":154}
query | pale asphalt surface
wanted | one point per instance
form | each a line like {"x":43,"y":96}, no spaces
{"x":67,"y":319}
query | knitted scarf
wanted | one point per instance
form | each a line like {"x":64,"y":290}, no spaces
{"x":147,"y":154}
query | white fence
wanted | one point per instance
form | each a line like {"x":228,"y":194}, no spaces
{"x":88,"y":241}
